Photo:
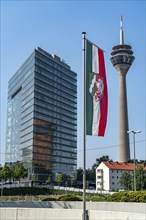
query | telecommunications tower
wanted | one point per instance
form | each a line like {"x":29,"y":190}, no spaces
{"x":122,"y":58}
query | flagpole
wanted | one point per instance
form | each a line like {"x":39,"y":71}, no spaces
{"x":85,"y":217}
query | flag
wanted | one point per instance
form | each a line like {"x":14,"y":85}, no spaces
{"x":96,"y":91}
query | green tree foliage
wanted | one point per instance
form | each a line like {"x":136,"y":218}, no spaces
{"x":103,"y":158}
{"x":19,"y":172}
{"x":79,"y":174}
{"x":60,"y":177}
{"x":90,"y":173}
{"x":69,"y":180}
{"x":140,"y":178}
{"x":49,"y":179}
{"x":137,"y":161}
{"x":126,"y":180}
{"x":5,"y":173}
{"x":34,"y":178}
{"x":15,"y":172}
{"x":96,"y":164}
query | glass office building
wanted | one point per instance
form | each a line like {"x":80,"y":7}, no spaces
{"x":42,"y":116}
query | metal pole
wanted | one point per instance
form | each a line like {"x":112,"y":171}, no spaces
{"x":134,"y":132}
{"x":134,"y":163}
{"x":84,"y":124}
{"x":2,"y":188}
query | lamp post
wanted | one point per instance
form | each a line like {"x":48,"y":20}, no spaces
{"x":134,"y":133}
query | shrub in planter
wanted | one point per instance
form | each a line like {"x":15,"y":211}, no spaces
{"x":69,"y":198}
{"x":138,"y":196}
{"x":49,"y":199}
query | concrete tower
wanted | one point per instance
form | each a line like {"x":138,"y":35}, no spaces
{"x":122,"y":58}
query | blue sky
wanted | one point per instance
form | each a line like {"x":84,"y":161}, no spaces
{"x":57,"y":27}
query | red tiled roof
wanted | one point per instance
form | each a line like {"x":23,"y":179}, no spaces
{"x":120,"y":166}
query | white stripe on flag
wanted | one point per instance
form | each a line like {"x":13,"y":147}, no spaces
{"x":95,"y":60}
{"x":96,"y":117}
{"x":92,"y":84}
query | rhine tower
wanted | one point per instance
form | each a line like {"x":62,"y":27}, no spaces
{"x":122,"y":58}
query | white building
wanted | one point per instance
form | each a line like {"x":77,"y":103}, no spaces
{"x":108,"y":175}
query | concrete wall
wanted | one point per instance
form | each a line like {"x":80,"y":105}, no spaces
{"x":107,"y":206}
{"x":39,"y":214}
{"x":71,"y":210}
{"x":112,"y":215}
{"x":64,"y":214}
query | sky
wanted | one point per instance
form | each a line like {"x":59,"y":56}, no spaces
{"x":57,"y":26}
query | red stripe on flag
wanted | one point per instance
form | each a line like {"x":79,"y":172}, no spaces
{"x":104,"y":100}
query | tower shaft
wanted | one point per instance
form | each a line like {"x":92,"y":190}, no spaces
{"x":124,"y":149}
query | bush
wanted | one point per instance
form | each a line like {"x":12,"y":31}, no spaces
{"x":139,"y":196}
{"x":96,"y":197}
{"x":50,"y":199}
{"x":26,"y":191}
{"x":69,"y":198}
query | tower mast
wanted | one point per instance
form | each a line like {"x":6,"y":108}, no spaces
{"x":122,"y":58}
{"x":121,"y":31}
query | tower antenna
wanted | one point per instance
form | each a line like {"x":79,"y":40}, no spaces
{"x":121,"y":31}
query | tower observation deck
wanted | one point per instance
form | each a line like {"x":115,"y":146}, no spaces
{"x":122,"y":58}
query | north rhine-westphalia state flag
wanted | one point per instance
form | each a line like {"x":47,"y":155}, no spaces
{"x":96,"y":91}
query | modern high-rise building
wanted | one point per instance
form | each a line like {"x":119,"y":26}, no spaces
{"x":122,"y":58}
{"x":42,"y":116}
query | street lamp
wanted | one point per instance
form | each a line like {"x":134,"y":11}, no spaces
{"x":134,"y":133}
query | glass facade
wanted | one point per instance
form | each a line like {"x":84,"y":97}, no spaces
{"x":42,"y":116}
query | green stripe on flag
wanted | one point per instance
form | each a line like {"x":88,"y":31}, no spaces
{"x":89,"y":99}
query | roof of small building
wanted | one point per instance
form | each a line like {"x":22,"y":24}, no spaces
{"x":121,"y":166}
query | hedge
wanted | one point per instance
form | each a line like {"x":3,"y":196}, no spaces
{"x":138,"y":196}
{"x":26,"y":191}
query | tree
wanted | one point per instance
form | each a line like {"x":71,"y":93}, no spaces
{"x":72,"y":180}
{"x":132,"y":161}
{"x":99,"y":160}
{"x":80,"y":174}
{"x":126,"y":180}
{"x":5,"y":173}
{"x":60,"y":178}
{"x":96,"y":164}
{"x":49,"y":179}
{"x":103,"y":158}
{"x":34,"y":178}
{"x":137,"y":161}
{"x":90,"y":174}
{"x":19,"y":172}
{"x":140,"y":178}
